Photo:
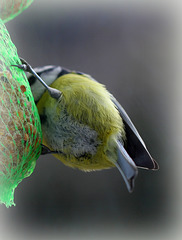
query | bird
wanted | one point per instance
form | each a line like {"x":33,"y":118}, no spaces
{"x":83,"y":125}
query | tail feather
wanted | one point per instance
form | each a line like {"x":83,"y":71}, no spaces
{"x":126,"y":166}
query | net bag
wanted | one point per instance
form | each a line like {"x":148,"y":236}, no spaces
{"x":20,"y":129}
{"x":11,"y":8}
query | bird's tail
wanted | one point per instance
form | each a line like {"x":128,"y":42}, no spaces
{"x":126,"y":166}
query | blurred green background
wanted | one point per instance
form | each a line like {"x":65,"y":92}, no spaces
{"x":129,"y":50}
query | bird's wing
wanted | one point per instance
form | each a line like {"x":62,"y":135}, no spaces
{"x":134,"y":144}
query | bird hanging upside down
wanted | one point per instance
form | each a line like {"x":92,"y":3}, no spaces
{"x":83,"y":125}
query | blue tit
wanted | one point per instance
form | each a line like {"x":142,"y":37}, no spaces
{"x":83,"y":125}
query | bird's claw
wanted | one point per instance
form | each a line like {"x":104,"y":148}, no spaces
{"x":53,"y":92}
{"x":24,"y":66}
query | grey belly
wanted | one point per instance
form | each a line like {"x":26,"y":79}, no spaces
{"x":63,"y":133}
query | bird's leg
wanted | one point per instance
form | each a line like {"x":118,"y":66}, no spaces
{"x":54,"y":93}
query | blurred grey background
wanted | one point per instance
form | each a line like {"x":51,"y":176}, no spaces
{"x":129,"y":50}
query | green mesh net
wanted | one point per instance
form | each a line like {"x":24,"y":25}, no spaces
{"x":11,"y":8}
{"x":20,"y":129}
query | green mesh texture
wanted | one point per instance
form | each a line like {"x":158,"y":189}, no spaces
{"x":20,"y":129}
{"x":11,"y":8}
